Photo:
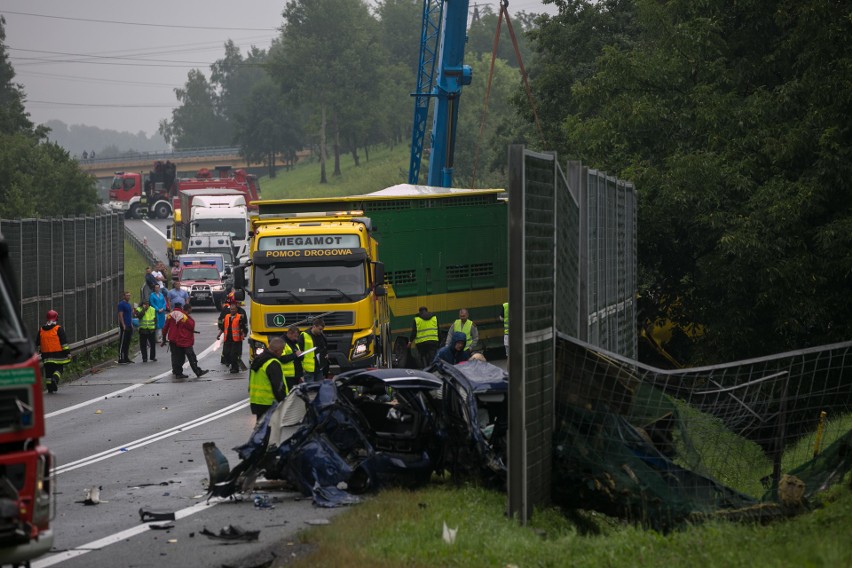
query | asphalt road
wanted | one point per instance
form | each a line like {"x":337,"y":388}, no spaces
{"x":137,"y":433}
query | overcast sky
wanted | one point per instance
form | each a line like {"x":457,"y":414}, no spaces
{"x":115,"y":63}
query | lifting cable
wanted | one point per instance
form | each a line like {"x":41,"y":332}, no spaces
{"x":504,"y":12}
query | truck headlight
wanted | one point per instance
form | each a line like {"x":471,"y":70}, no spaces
{"x":217,"y":287}
{"x":186,"y":288}
{"x":362,"y":347}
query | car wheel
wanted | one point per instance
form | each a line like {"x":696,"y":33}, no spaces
{"x":162,"y":210}
{"x":133,"y":212}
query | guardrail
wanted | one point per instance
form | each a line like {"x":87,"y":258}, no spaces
{"x":94,"y":342}
{"x":140,"y":247}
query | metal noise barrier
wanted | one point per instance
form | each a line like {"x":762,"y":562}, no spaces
{"x":74,"y":265}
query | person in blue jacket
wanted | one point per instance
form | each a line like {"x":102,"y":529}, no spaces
{"x":157,"y":300}
{"x":455,"y":352}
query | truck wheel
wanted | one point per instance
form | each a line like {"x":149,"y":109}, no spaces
{"x":133,"y":212}
{"x":162,"y":210}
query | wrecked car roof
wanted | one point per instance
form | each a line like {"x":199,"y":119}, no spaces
{"x":395,"y":378}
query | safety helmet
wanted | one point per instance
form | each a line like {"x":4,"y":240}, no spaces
{"x":52,"y":315}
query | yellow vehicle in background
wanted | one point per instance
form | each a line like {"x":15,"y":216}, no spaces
{"x":174,"y":244}
{"x":305,"y":265}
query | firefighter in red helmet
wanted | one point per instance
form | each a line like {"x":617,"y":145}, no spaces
{"x":53,"y":346}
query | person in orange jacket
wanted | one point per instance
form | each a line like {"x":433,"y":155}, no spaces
{"x":53,"y":346}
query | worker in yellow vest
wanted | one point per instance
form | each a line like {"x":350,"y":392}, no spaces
{"x":504,"y":317}
{"x":424,"y":335}
{"x":147,"y":316}
{"x":468,"y":328}
{"x":55,"y":353}
{"x":266,"y":378}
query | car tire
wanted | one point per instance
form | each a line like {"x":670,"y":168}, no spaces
{"x":133,"y":212}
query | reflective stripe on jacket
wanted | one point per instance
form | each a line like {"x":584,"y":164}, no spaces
{"x":260,"y":389}
{"x":233,"y":329}
{"x":309,"y":362}
{"x":427,"y":330}
{"x":465,"y":329}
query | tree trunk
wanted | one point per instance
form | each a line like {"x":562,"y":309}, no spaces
{"x":323,"y":178}
{"x":355,"y":156}
{"x":271,"y":161}
{"x":367,"y":152}
{"x":337,"y":172}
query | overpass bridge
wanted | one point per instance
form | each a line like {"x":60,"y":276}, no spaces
{"x":187,"y":161}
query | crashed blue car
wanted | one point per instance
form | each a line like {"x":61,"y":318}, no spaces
{"x":370,"y":428}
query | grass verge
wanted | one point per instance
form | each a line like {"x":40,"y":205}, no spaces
{"x":404,"y":528}
{"x":386,"y":167}
{"x":134,"y":270}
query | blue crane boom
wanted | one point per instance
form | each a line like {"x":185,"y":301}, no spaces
{"x":442,"y":40}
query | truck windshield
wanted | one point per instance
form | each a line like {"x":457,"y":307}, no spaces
{"x":310,"y":282}
{"x":235,"y":226}
{"x":199,"y":274}
{"x":226,"y":252}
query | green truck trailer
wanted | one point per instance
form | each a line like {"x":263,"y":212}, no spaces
{"x":442,"y":248}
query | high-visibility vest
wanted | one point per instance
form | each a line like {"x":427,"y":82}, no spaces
{"x":465,"y":329}
{"x":260,"y":389}
{"x":148,"y":321}
{"x":506,"y":318}
{"x":288,"y":368}
{"x":309,"y":363}
{"x":51,"y":347}
{"x":233,"y":329}
{"x":427,"y":330}
{"x":49,"y":340}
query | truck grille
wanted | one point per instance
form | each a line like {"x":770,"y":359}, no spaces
{"x":200,"y":287}
{"x":283,"y":320}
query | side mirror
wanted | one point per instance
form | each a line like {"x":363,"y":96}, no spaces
{"x":239,"y":277}
{"x":239,"y":295}
{"x":379,"y":269}
{"x":381,"y":291}
{"x":169,"y":232}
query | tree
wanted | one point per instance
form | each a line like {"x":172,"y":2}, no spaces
{"x":268,"y":127}
{"x":196,"y":122}
{"x":233,"y":78}
{"x":481,"y":38}
{"x":328,"y":55}
{"x":488,"y":151}
{"x":731,"y":119}
{"x":37,"y":178}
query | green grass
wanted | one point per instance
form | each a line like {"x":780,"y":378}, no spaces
{"x":740,"y":463}
{"x":134,"y":271}
{"x":385,"y":168}
{"x":402,"y":528}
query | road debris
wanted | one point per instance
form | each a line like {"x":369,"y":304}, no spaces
{"x":147,"y":516}
{"x":232,"y":533}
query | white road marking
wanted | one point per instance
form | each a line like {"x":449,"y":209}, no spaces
{"x":113,"y":538}
{"x":156,"y":230}
{"x":154,"y":379}
{"x":141,"y":442}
